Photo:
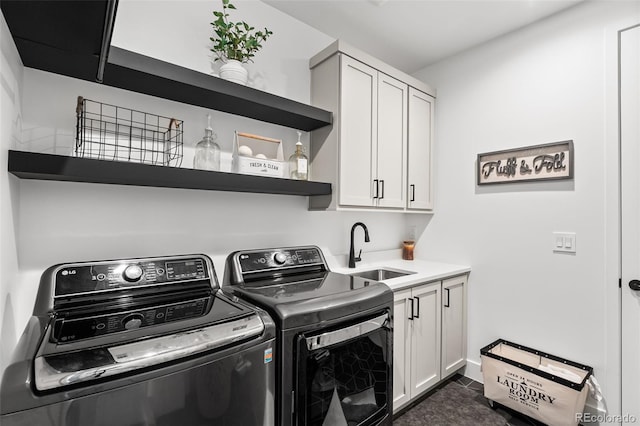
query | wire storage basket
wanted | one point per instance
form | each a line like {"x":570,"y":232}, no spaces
{"x":109,"y":132}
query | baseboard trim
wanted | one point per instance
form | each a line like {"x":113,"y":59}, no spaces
{"x":473,"y":371}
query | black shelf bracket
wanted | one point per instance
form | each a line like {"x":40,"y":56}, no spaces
{"x":107,"y":33}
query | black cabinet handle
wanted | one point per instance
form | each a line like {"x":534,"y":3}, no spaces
{"x":411,"y":317}
{"x":413,"y":192}
{"x":446,"y":305}
{"x":634,"y":285}
{"x":418,"y":309}
{"x":382,"y":190}
{"x":375,"y":182}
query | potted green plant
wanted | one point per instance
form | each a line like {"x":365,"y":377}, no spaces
{"x":235,"y":43}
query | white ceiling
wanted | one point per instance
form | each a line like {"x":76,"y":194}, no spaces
{"x":411,"y":34}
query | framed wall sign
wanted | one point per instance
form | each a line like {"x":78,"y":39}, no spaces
{"x":532,"y":163}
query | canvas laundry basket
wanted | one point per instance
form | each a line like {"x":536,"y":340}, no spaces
{"x":545,"y":387}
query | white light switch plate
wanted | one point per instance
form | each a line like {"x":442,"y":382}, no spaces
{"x":564,"y":242}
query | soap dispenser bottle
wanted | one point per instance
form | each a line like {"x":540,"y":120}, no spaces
{"x":207,"y":155}
{"x":298,"y":162}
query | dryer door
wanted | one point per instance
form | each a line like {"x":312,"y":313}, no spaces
{"x":344,"y":374}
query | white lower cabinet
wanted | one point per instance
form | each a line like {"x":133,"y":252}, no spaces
{"x":402,"y":337}
{"x":416,"y":341}
{"x":429,"y":336}
{"x":454,"y":325}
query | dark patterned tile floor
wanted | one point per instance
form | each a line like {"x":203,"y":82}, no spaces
{"x":460,"y":402}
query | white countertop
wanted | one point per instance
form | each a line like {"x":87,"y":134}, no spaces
{"x":425,"y":270}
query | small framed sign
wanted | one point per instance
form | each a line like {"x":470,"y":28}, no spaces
{"x":531,"y":163}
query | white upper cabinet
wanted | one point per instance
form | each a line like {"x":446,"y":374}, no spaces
{"x":392,"y":142}
{"x":358,"y":133}
{"x":373,"y":137}
{"x":419,"y":196}
{"x":366,"y":154}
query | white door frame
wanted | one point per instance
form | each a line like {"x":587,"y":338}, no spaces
{"x":629,"y":313}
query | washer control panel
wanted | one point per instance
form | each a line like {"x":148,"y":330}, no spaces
{"x":80,"y":279}
{"x":263,"y":260}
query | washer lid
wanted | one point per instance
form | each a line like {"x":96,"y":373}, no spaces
{"x":67,"y":369}
{"x":67,"y":334}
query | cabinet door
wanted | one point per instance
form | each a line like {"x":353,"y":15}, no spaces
{"x":401,"y":349}
{"x":420,"y":130}
{"x":454,"y":324}
{"x":358,"y":117}
{"x":392,"y":142}
{"x":425,"y":349}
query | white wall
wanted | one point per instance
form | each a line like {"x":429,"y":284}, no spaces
{"x":180,"y":35}
{"x":552,"y":81}
{"x":62,"y":221}
{"x":10,"y":125}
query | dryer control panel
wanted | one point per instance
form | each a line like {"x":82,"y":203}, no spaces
{"x":281,"y":258}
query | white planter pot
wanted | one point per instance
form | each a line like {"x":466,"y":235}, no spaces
{"x":233,"y":70}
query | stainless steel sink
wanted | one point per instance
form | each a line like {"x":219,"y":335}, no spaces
{"x":382,"y":274}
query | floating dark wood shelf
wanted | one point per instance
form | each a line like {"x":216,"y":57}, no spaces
{"x":65,"y":37}
{"x":139,"y":73}
{"x":30,"y":165}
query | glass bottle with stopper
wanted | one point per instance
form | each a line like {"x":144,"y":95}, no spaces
{"x":298,"y":162}
{"x":207,"y":155}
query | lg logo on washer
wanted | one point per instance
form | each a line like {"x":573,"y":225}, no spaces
{"x":68,"y":272}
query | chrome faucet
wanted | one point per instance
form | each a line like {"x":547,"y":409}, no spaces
{"x":352,"y":258}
